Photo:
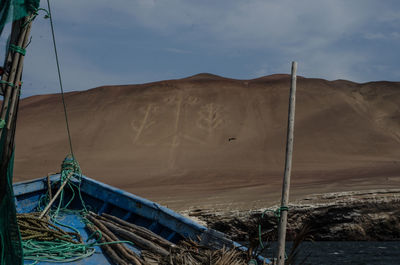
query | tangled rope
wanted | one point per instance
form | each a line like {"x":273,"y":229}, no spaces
{"x":34,"y":228}
{"x":277,"y":214}
{"x":42,"y":238}
{"x":55,"y":251}
{"x":44,"y":241}
{"x":70,"y":170}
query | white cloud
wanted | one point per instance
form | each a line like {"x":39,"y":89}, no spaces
{"x":374,"y":36}
{"x":390,"y":15}
{"x":333,"y":65}
{"x":395,"y":35}
{"x":179,"y":51}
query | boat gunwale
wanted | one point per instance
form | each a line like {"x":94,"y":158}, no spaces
{"x":21,"y":188}
{"x":38,"y":184}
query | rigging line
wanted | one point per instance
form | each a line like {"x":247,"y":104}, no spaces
{"x":59,"y":78}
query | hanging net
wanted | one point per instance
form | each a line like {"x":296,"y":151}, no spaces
{"x":10,"y":242}
{"x":11,"y":10}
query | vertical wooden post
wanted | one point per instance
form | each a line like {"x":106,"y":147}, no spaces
{"x":288,"y":169}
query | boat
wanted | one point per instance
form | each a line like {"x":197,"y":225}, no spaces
{"x":102,"y":198}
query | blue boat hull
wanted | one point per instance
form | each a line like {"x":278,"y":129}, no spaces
{"x":103,"y":198}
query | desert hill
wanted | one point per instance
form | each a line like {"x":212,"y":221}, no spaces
{"x":211,"y":141}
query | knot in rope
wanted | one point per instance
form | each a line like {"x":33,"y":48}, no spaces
{"x":32,"y":5}
{"x":277,"y":214}
{"x":34,"y":9}
{"x":278,"y":211}
{"x":70,"y":166}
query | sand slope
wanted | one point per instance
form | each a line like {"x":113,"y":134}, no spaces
{"x":207,"y":140}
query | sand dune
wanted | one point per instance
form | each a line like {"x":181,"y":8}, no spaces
{"x":211,"y":141}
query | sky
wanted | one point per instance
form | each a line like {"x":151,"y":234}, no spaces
{"x":115,"y":42}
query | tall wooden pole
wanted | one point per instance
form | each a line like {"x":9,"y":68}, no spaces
{"x":288,"y":169}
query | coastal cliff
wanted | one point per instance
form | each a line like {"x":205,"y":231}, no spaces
{"x":372,"y":215}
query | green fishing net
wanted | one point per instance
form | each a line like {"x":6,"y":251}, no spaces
{"x":10,"y":240}
{"x":11,"y":10}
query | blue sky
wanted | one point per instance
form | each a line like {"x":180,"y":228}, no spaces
{"x":106,"y":42}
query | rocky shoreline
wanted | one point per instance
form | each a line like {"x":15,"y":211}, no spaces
{"x":372,"y":215}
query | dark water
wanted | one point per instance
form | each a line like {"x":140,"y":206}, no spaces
{"x":355,"y":253}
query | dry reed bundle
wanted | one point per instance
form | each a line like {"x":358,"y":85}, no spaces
{"x":191,"y":253}
{"x":155,"y":249}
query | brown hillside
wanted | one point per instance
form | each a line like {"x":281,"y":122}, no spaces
{"x":216,"y":142}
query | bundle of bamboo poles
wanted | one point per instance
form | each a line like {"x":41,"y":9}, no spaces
{"x":154,"y":249}
{"x":10,"y":89}
{"x":13,"y":66}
